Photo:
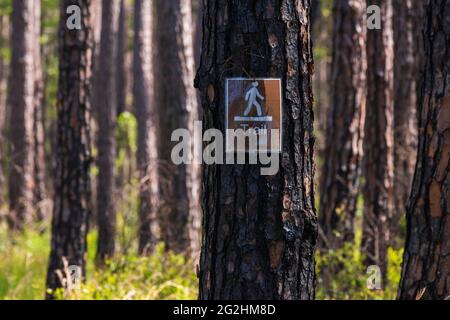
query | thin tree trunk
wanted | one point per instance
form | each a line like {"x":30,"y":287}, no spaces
{"x":147,"y":121}
{"x":176,"y":102}
{"x":345,"y":130}
{"x":73,"y":150}
{"x":38,"y":120}
{"x":405,"y":104}
{"x":107,"y":115}
{"x":426,"y":263}
{"x":259,"y":232}
{"x":379,"y":140}
{"x":122,"y":71}
{"x":21,"y":102}
{"x":3,"y":72}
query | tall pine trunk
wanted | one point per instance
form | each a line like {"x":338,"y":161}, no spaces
{"x":379,"y":140}
{"x":3,"y":78}
{"x":345,"y":130}
{"x":73,"y":150}
{"x":107,"y":116}
{"x":176,"y":102}
{"x":259,"y":232}
{"x":38,"y":120}
{"x":406,"y":22}
{"x":21,"y":104}
{"x":122,"y":49}
{"x":147,"y":122}
{"x":426,"y":263}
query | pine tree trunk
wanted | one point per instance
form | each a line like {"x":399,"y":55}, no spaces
{"x":259,"y":232}
{"x":147,"y":121}
{"x":176,"y":102}
{"x":3,"y":72}
{"x":73,"y":150}
{"x":426,"y":265}
{"x":107,"y":115}
{"x":122,"y":71}
{"x":345,"y":130}
{"x":21,"y":102}
{"x":406,"y":24}
{"x":378,"y":144}
{"x":38,"y":120}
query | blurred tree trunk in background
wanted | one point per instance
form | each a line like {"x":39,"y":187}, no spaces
{"x":259,"y":232}
{"x":379,"y":140}
{"x":426,"y":265}
{"x":122,"y":71}
{"x":21,"y":102}
{"x":345,"y":130}
{"x":3,"y":77}
{"x":96,"y":14}
{"x":73,"y":151}
{"x":176,"y":102}
{"x":406,"y":27}
{"x":147,"y":125}
{"x":107,"y":116}
{"x":38,"y":120}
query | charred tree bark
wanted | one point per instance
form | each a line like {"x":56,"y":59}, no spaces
{"x":259,"y":232}
{"x":21,"y":102}
{"x":426,"y":265}
{"x":147,"y":125}
{"x":379,"y":140}
{"x":176,"y":102}
{"x":107,"y":115}
{"x":73,"y":150}
{"x":345,"y":130}
{"x":38,"y":120}
{"x":406,"y":24}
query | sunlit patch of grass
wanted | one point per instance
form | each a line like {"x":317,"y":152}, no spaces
{"x":23,"y":264}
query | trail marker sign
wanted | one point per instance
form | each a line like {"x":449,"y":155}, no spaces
{"x":254,"y":106}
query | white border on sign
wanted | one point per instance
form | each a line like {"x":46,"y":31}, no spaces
{"x":226,"y":115}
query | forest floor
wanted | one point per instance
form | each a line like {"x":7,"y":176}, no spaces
{"x":23,"y":264}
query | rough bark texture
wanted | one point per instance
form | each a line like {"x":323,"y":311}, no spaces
{"x":406,"y":22}
{"x":379,"y":140}
{"x":176,"y":102}
{"x":122,"y":71}
{"x":21,"y":104}
{"x":147,"y":125}
{"x":259,"y":232}
{"x":73,"y":150}
{"x":426,"y":265}
{"x":345,"y":130}
{"x":107,"y":115}
{"x":38,"y":120}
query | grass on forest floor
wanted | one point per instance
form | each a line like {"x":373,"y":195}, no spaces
{"x":23,"y":266}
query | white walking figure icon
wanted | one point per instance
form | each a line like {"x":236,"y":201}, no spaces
{"x":251,"y":96}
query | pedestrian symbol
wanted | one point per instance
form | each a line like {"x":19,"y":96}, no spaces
{"x":254,"y":106}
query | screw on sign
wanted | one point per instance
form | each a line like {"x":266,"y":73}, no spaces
{"x":254,"y":106}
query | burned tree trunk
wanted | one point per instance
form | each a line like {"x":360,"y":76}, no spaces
{"x":259,"y":232}
{"x":147,"y":121}
{"x":107,"y":116}
{"x":345,"y":129}
{"x":21,"y":104}
{"x":73,"y":151}
{"x":426,"y":265}
{"x":406,"y":64}
{"x":176,"y":102}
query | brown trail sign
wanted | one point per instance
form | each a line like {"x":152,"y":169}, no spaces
{"x":254,"y":106}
